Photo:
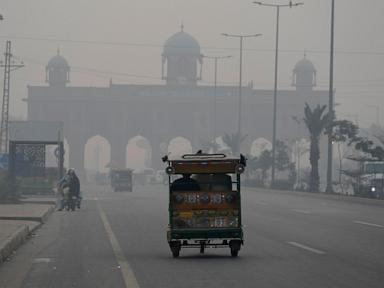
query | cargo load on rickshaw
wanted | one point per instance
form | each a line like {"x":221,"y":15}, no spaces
{"x":205,"y":202}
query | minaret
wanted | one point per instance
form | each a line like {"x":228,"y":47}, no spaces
{"x":304,"y":74}
{"x":57,"y":71}
{"x":182,"y":58}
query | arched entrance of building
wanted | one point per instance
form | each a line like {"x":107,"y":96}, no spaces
{"x":97,"y":157}
{"x":139,"y":153}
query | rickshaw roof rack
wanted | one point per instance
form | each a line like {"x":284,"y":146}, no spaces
{"x":205,"y":164}
{"x":203,"y":156}
{"x":218,"y":157}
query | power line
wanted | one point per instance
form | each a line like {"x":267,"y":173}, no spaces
{"x":151,"y":45}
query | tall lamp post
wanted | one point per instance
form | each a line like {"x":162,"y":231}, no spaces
{"x":215,"y":58}
{"x":298,"y":150}
{"x":277,"y":6}
{"x":329,"y":188}
{"x":241,"y":37}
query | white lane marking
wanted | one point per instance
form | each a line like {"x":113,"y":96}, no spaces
{"x":128,"y":275}
{"x":300,"y":211}
{"x":368,"y":224}
{"x":306,"y":248}
{"x":41,"y":260}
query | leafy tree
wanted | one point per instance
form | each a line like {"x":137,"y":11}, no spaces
{"x":282,"y":156}
{"x":367,"y":146}
{"x":264,"y":163}
{"x":233,"y":140}
{"x":343,"y":131}
{"x":316,"y":121}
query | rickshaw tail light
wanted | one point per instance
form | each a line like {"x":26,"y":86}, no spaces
{"x":170,"y":170}
{"x":239,"y":168}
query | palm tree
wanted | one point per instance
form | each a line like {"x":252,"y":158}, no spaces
{"x":233,"y":140}
{"x":316,"y":121}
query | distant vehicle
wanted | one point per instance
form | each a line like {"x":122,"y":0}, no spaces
{"x":372,"y":178}
{"x":121,"y":179}
{"x":205,"y":209}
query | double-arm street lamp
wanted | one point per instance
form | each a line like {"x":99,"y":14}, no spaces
{"x":241,"y":37}
{"x":215,"y":58}
{"x":277,"y":6}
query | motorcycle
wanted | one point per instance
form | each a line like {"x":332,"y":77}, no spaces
{"x":69,"y":201}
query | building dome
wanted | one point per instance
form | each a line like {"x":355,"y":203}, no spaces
{"x":182,"y":56}
{"x":304,"y":74}
{"x":57,"y":61}
{"x":181,"y":43}
{"x":304,"y":65}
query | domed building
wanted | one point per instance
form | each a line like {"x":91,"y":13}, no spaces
{"x":57,"y":71}
{"x":177,"y":108}
{"x":182,"y":56}
{"x":304,"y":74}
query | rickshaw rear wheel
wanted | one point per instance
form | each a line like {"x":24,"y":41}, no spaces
{"x":175,"y":252}
{"x":235,"y":247}
{"x":175,"y":248}
{"x":234,"y":252}
{"x":202,"y":248}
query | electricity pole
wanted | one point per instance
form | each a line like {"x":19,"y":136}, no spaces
{"x":8,"y":67}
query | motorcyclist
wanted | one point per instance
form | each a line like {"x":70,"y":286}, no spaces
{"x":72,"y":182}
{"x":62,"y":184}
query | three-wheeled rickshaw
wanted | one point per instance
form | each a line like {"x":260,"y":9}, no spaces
{"x":121,"y":179}
{"x":205,"y":202}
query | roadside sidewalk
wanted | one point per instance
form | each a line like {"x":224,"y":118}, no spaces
{"x":18,"y":221}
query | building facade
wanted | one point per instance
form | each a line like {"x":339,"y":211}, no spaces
{"x":179,"y":108}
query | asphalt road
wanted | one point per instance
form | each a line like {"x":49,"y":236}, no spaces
{"x":118,"y":240}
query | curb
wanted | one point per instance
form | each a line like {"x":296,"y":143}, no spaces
{"x":13,"y":242}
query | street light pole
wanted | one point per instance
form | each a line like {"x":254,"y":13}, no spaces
{"x":277,"y":6}
{"x":241,"y":37}
{"x":298,"y":150}
{"x":215,"y":58}
{"x":329,"y":188}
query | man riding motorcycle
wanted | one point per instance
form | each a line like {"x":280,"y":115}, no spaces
{"x":70,"y":185}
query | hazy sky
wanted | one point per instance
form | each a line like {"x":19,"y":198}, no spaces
{"x":127,"y":37}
